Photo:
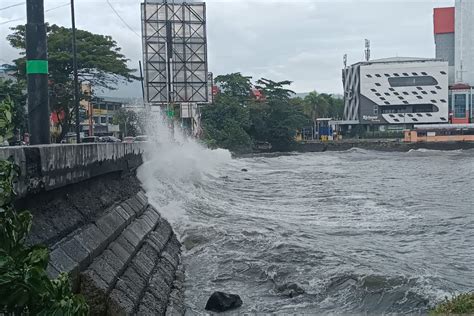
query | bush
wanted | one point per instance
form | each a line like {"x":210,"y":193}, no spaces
{"x":24,"y":284}
{"x":461,"y":304}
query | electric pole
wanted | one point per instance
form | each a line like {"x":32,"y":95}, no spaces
{"x":37,"y":73}
{"x":76,"y":80}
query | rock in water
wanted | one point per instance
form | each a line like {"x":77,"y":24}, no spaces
{"x":221,"y":302}
{"x":290,"y":289}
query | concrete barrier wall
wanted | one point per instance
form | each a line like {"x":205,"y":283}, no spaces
{"x":44,"y":168}
{"x":89,"y":209}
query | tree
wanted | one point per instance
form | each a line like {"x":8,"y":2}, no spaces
{"x":225,"y":125}
{"x":13,"y":91}
{"x":275,"y":91}
{"x":235,"y":85}
{"x":128,"y":122}
{"x":99,"y":62}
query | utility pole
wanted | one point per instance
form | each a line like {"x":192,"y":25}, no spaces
{"x":76,"y":80}
{"x":37,"y":73}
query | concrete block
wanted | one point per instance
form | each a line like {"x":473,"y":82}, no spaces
{"x":152,"y":214}
{"x":131,"y":236}
{"x":111,"y":224}
{"x":150,"y":252}
{"x":94,"y":290}
{"x":92,"y":239}
{"x":129,"y":210}
{"x":149,"y":302}
{"x":119,"y":304}
{"x":63,"y":263}
{"x":113,"y":260}
{"x":106,"y":272}
{"x":73,"y":248}
{"x":159,"y":288}
{"x":52,"y":272}
{"x":136,"y":205}
{"x":142,"y":199}
{"x":123,"y":255}
{"x":174,"y":260}
{"x":157,"y":241}
{"x":142,"y":264}
{"x":174,"y":310}
{"x":124,"y":214}
{"x":150,"y":223}
{"x":140,"y":228}
{"x":165,"y":270}
{"x":132,"y":283}
{"x":125,"y":244}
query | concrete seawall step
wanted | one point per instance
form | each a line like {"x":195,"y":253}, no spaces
{"x":127,"y":262}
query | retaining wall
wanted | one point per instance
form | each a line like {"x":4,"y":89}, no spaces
{"x":89,"y":209}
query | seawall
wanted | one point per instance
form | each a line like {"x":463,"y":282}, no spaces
{"x":381,"y":145}
{"x":90,"y":210}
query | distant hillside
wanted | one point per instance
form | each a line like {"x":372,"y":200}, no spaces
{"x":303,"y":94}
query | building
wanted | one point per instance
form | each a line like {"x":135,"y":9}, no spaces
{"x":454,"y":39}
{"x":396,"y":92}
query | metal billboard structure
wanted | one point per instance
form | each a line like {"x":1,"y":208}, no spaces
{"x":174,"y":52}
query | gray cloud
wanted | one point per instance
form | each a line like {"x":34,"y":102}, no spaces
{"x":302,"y":41}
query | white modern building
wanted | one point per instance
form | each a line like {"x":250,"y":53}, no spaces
{"x":396,"y":91}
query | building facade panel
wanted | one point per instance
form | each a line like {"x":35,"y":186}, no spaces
{"x":397,"y":91}
{"x":464,"y":41}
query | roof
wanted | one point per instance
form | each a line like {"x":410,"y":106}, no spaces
{"x":398,"y":60}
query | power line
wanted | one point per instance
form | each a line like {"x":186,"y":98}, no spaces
{"x":12,"y":6}
{"x":21,"y":19}
{"x":121,"y":19}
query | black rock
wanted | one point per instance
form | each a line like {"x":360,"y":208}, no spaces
{"x":244,"y":170}
{"x":221,"y":302}
{"x":290,"y":289}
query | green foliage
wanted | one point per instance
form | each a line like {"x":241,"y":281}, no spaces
{"x":128,"y":122}
{"x":236,"y":122}
{"x":24,"y":284}
{"x":323,"y":105}
{"x":99,"y":61}
{"x":461,"y":304}
{"x":15,"y":92}
{"x":6,"y":124}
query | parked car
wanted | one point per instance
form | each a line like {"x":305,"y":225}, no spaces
{"x":109,"y":139}
{"x":90,"y":139}
{"x":128,"y":139}
{"x":141,"y":138}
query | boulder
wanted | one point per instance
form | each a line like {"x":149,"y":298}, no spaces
{"x":290,"y":289}
{"x":221,"y":302}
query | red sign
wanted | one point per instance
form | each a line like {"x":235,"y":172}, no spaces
{"x":444,"y":20}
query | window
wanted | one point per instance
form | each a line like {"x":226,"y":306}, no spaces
{"x":391,"y":89}
{"x":401,"y":115}
{"x":377,"y":84}
{"x":460,"y":103}
{"x":414,"y":119}
{"x":415,"y":93}
{"x":443,"y":72}
{"x":424,"y":92}
{"x":387,"y":103}
{"x":443,"y":101}
{"x":414,"y":74}
{"x":387,"y":94}
{"x":410,"y":115}
{"x":373,"y":90}
{"x":405,"y":93}
{"x":396,"y":120}
{"x":434,"y":92}
{"x":429,"y":114}
{"x":443,"y":119}
{"x":438,"y":87}
{"x":405,"y":74}
{"x":419,"y":88}
{"x":376,"y":110}
{"x":419,"y":115}
{"x":434,"y":101}
{"x":103,"y":120}
{"x":424,"y":74}
{"x":378,"y":94}
{"x":396,"y":75}
{"x":400,"y":97}
{"x":405,"y":102}
{"x":369,"y":76}
{"x":412,"y":81}
{"x":391,"y":115}
{"x":396,"y":93}
{"x":387,"y":75}
{"x":419,"y":97}
{"x":378,"y":75}
{"x":96,"y":120}
{"x":110,"y":119}
{"x":382,"y":98}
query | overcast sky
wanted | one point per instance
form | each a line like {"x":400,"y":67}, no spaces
{"x":301,"y":41}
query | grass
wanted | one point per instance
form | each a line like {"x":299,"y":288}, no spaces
{"x":461,"y":304}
